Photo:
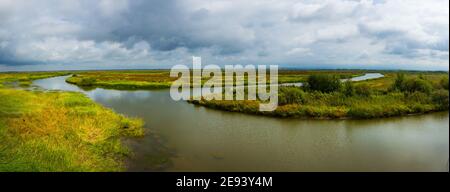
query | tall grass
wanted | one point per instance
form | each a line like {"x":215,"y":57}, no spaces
{"x":61,"y":131}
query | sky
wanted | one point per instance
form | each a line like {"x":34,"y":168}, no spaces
{"x":148,"y":34}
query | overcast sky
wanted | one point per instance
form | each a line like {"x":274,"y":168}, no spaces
{"x":106,"y":34}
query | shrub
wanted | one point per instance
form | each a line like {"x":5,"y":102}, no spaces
{"x":348,"y":89}
{"x":440,"y":98}
{"x":290,"y":95}
{"x":323,"y":83}
{"x":412,"y":85}
{"x":87,"y":81}
{"x":399,"y":82}
{"x":444,"y":83}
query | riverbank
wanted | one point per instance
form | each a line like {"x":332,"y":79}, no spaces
{"x":122,"y":80}
{"x":327,"y":98}
{"x":59,"y":131}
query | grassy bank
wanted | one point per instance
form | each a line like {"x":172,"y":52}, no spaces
{"x":385,"y":97}
{"x":123,"y":80}
{"x":59,"y":131}
{"x":12,"y":79}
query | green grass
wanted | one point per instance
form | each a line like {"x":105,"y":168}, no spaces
{"x":24,"y":79}
{"x":116,"y":84}
{"x":60,"y":131}
{"x":123,"y":80}
{"x":367,"y":99}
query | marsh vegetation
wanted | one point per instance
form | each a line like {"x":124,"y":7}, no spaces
{"x":326,"y":96}
{"x":160,"y":79}
{"x":201,"y":139}
{"x":59,"y":131}
{"x":123,"y":80}
{"x":67,"y":131}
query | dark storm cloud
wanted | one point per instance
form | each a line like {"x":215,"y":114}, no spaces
{"x":166,"y":25}
{"x":148,"y":33}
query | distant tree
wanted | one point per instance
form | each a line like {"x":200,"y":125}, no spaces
{"x":323,"y":83}
{"x":412,"y":85}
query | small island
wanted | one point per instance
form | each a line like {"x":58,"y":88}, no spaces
{"x":324,"y":95}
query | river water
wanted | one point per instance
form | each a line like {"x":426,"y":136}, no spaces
{"x":211,"y":140}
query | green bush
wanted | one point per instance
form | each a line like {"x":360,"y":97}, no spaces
{"x":290,"y":95}
{"x":348,"y":89}
{"x":444,"y":83}
{"x":323,"y":83}
{"x":87,"y":81}
{"x":412,"y":85}
{"x":399,"y":82}
{"x":440,"y":98}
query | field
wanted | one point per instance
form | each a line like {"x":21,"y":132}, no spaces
{"x":59,"y":131}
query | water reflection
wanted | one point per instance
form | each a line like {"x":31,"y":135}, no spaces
{"x":212,"y":140}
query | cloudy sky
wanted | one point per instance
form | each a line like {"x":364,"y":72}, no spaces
{"x":112,"y":34}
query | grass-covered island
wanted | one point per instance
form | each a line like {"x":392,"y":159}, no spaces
{"x":123,"y":80}
{"x":59,"y":131}
{"x":325,"y":96}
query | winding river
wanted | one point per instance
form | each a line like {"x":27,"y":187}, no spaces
{"x":211,"y":140}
